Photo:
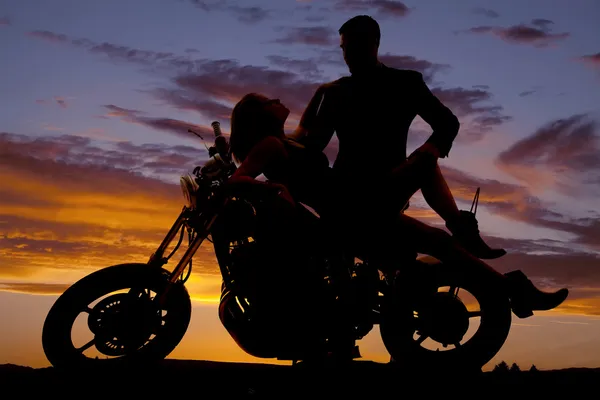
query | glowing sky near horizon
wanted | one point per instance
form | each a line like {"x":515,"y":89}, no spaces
{"x":96,"y":98}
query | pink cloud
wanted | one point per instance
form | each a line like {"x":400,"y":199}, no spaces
{"x":591,"y":59}
{"x":60,"y":101}
{"x":563,"y":154}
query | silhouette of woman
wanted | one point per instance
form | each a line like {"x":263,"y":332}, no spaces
{"x":260,"y":147}
{"x":298,"y":175}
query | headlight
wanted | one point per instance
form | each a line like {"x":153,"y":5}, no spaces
{"x":188,"y":188}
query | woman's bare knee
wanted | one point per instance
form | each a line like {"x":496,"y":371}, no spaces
{"x":420,"y":230}
{"x":438,"y":235}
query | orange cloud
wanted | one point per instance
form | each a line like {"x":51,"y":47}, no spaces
{"x":589,"y":306}
{"x":34,"y":288}
{"x":63,"y":215}
{"x":203,"y":288}
{"x":60,"y":221}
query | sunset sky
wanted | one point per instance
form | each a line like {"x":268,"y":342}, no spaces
{"x":96,"y":98}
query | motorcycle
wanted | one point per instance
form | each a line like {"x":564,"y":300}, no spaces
{"x":285,"y":293}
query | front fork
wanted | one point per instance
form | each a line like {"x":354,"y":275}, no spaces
{"x":157,"y":258}
{"x":201,"y":226}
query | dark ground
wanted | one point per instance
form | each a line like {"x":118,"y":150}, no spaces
{"x":361,"y":379}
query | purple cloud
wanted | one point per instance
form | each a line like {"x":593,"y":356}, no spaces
{"x":562,"y":153}
{"x":516,"y":202}
{"x":537,"y":34}
{"x":486,"y":12}
{"x":245,"y":14}
{"x":173,"y":126}
{"x":122,"y":53}
{"x":384,"y":8}
{"x":311,"y":35}
{"x":212,"y":87}
{"x":427,"y":68}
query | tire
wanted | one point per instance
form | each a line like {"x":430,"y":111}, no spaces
{"x":168,"y":330}
{"x":399,"y":323}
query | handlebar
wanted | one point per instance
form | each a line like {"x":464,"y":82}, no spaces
{"x":218,"y":153}
{"x":195,"y":133}
{"x":221,"y":146}
{"x":216,"y":125}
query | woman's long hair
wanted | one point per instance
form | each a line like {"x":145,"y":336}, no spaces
{"x":250,"y":123}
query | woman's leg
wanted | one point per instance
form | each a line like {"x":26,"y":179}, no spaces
{"x":438,"y":243}
{"x":422,"y":172}
{"x":525,"y":297}
{"x":438,"y":195}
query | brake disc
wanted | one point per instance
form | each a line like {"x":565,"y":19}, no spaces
{"x":123,"y":322}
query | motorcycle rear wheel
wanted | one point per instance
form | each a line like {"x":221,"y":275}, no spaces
{"x":400,"y":324}
{"x":131,"y":329}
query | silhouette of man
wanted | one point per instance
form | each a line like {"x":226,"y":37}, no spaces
{"x":371,"y":111}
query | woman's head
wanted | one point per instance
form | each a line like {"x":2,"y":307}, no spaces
{"x":253,"y":118}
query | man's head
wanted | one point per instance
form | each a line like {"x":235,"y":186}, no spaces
{"x":359,"y":40}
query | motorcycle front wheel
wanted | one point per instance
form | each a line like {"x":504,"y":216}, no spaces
{"x":451,"y":323}
{"x":125,"y":325}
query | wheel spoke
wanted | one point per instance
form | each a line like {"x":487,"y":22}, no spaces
{"x":87,"y":345}
{"x":473,"y":314}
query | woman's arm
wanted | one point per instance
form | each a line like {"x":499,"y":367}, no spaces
{"x":267,"y":152}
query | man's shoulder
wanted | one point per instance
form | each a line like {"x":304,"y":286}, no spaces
{"x":404,"y":74}
{"x":340,"y":82}
{"x":334,"y":88}
{"x":394,"y":74}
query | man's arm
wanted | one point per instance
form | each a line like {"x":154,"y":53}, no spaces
{"x":444,"y":123}
{"x":316,"y":128}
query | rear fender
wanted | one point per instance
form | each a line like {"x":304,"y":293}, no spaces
{"x":470,"y":272}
